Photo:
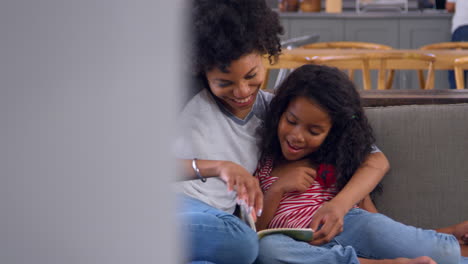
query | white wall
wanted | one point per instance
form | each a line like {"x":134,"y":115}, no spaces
{"x":87,"y":102}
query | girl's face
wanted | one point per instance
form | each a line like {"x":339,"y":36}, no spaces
{"x":302,"y":128}
{"x":238,"y":87}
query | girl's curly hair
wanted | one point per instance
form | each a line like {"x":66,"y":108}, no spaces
{"x":350,"y":139}
{"x":225,"y":30}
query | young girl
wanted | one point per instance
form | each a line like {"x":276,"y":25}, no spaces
{"x":316,"y":121}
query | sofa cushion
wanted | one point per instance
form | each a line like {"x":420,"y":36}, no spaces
{"x":427,"y":146}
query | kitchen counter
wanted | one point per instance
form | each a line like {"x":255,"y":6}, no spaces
{"x":351,"y":14}
{"x":409,"y":30}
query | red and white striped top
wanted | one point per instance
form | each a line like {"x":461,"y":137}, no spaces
{"x":297,"y":209}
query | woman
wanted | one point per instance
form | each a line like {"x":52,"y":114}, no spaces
{"x":219,"y":150}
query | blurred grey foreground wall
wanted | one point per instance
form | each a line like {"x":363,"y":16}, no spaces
{"x":87,"y":103}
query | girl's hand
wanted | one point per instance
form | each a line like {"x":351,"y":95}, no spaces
{"x":330,"y":216}
{"x":295,"y":176}
{"x":239,"y":179}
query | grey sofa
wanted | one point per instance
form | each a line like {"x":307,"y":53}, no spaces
{"x":427,"y":146}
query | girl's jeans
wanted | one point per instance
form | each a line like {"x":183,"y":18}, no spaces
{"x":214,"y":236}
{"x":365,"y":235}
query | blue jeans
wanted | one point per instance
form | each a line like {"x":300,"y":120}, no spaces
{"x":460,"y":34}
{"x":214,"y":236}
{"x":365,"y":235}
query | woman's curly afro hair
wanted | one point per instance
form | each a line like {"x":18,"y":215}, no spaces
{"x":225,"y":30}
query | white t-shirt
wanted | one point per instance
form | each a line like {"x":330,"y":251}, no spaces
{"x":460,"y":18}
{"x":211,"y":132}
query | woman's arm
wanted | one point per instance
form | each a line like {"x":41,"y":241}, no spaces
{"x":271,"y":201}
{"x":363,"y":181}
{"x":208,"y":168}
{"x":368,"y":205}
{"x":237,"y":179}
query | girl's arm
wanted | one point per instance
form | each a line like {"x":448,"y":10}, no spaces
{"x":294,"y":176}
{"x":363,"y":181}
{"x":236,"y":177}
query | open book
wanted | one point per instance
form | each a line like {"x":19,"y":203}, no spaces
{"x":301,"y":234}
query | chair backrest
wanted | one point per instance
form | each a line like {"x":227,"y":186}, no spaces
{"x":289,"y":44}
{"x":459,"y":65}
{"x":341,"y":61}
{"x":443,"y":45}
{"x":422,"y":60}
{"x":381,"y":59}
{"x":346,"y":45}
{"x":446,"y":45}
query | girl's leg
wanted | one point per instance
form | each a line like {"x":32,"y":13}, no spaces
{"x":460,"y":231}
{"x":375,"y":236}
{"x":215,"y":236}
{"x":283,"y":249}
{"x":419,"y":260}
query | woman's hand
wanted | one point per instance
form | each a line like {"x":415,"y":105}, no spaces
{"x":295,"y":176}
{"x":331,"y":218}
{"x":239,"y":179}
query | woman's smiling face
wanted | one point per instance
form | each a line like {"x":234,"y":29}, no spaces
{"x":302,"y":128}
{"x":238,"y":86}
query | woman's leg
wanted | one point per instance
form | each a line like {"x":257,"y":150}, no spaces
{"x":376,"y":236}
{"x":215,"y":236}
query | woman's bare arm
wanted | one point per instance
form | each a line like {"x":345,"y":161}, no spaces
{"x":368,"y":205}
{"x":363,"y":181}
{"x":237,"y":179}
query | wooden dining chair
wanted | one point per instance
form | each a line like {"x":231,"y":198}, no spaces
{"x":384,"y":61}
{"x":288,"y":44}
{"x":460,"y":65}
{"x":442,"y":45}
{"x":343,"y":62}
{"x":411,"y":59}
{"x":347,"y":45}
{"x":445,"y":45}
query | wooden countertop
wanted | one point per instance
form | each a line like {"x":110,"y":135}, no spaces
{"x":433,"y":14}
{"x":413,"y":97}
